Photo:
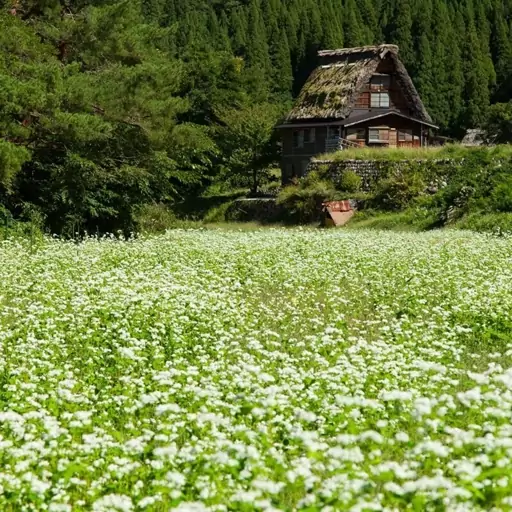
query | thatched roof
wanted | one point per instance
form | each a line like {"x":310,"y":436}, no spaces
{"x":332,"y":89}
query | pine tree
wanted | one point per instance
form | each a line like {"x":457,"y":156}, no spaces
{"x":333,"y":30}
{"x":353,"y":32}
{"x":282,"y":73}
{"x":501,"y":45}
{"x":421,"y":32}
{"x":401,"y":31}
{"x":218,"y":35}
{"x":368,"y":13}
{"x":257,"y":47}
{"x":289,"y":19}
{"x":483,"y":29}
{"x":223,"y":42}
{"x":238,"y":31}
{"x":424,"y":78}
{"x":476,"y":88}
{"x":444,"y":62}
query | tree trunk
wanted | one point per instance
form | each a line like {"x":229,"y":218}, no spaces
{"x":254,"y":187}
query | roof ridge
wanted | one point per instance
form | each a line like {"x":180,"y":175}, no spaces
{"x":359,"y":49}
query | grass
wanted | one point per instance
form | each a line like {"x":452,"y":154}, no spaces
{"x":421,"y":219}
{"x":411,"y":220}
{"x":450,"y":151}
{"x":486,"y":222}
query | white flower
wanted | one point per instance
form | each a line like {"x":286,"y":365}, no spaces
{"x":113,"y":502}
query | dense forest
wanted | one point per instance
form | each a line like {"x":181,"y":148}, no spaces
{"x":107,"y":106}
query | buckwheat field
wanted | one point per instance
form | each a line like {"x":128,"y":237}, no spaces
{"x":267,"y":370}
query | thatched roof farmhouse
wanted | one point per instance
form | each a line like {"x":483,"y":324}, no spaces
{"x":355,"y":97}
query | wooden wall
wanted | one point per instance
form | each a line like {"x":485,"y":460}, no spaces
{"x":397,"y":98}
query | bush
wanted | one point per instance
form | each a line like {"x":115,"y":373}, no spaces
{"x":218,"y":213}
{"x":412,"y":219}
{"x":498,"y":128}
{"x":30,"y":226}
{"x":322,"y":171}
{"x":471,"y":186}
{"x":350,"y":182}
{"x":399,"y":189}
{"x":502,"y":193}
{"x":302,"y":202}
{"x":496,"y":223}
{"x":154,"y":218}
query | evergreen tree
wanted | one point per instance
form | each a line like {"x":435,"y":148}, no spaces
{"x":424,"y":78}
{"x":333,"y":30}
{"x":238,"y":31}
{"x":352,"y":30}
{"x":282,"y":73}
{"x":401,"y":31}
{"x":483,"y":30}
{"x":501,"y":45}
{"x":446,"y":69}
{"x":476,"y":88}
{"x":257,"y":47}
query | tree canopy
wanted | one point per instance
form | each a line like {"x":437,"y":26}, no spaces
{"x":106,"y":105}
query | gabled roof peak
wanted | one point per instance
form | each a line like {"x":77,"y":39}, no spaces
{"x":332,"y":89}
{"x":342,"y":52}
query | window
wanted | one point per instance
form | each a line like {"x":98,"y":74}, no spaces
{"x":380,"y":83}
{"x":301,"y":137}
{"x":333,"y":132}
{"x":378,"y":135}
{"x":356,"y":134}
{"x":380,"y":100}
{"x":309,"y":135}
{"x":405,"y":135}
{"x":298,"y":139}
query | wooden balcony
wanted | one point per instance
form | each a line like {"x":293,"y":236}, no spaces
{"x":333,"y":144}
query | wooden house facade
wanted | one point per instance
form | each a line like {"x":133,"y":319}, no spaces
{"x":356,"y":97}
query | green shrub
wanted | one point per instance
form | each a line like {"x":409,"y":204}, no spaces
{"x":218,"y":213}
{"x":30,"y":226}
{"x":502,"y":193}
{"x":154,"y":218}
{"x":322,"y":171}
{"x":350,"y":181}
{"x":472,"y":186}
{"x":302,"y":203}
{"x":398,"y":190}
{"x":412,"y":219}
{"x":496,"y":223}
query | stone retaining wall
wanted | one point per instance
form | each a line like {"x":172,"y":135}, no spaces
{"x":369,"y":170}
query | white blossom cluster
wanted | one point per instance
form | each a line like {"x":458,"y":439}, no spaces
{"x":267,"y":370}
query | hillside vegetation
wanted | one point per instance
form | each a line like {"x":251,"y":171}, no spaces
{"x":448,"y":152}
{"x":414,"y":189}
{"x":110,"y":108}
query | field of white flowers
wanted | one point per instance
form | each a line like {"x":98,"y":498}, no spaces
{"x":266,"y":370}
